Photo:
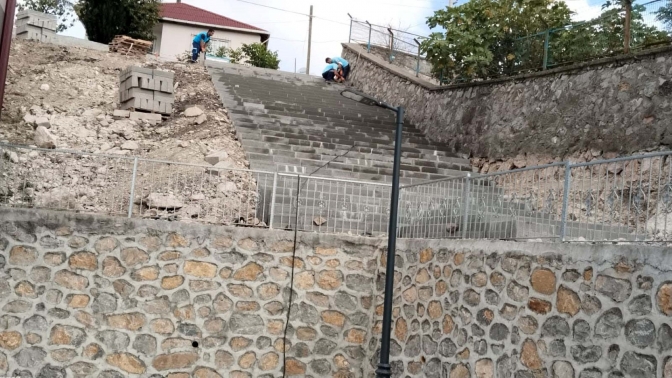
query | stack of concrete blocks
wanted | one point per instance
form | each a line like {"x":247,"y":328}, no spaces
{"x":146,"y":89}
{"x":35,"y":25}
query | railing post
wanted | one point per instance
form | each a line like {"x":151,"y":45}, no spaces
{"x":275,"y":186}
{"x":391,"y":44}
{"x":417,"y":68}
{"x":368,"y":45}
{"x":465,"y":202}
{"x":565,"y":201}
{"x":546,"y":45}
{"x":132,"y":197}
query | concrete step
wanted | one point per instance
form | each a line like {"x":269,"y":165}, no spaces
{"x":364,"y":153}
{"x":316,"y":128}
{"x":324,"y":142}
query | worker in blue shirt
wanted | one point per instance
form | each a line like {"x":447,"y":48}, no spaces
{"x":200,"y":44}
{"x":344,"y":64}
{"x":330,"y":71}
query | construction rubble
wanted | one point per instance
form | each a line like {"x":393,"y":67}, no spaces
{"x":67,"y":98}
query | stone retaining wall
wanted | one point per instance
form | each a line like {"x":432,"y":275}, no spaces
{"x":499,"y":310}
{"x":86,"y":296}
{"x":619,"y":104}
{"x":110,"y":297}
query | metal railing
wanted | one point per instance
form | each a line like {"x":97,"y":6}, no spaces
{"x":396,"y":46}
{"x":137,"y":187}
{"x":133,"y":187}
{"x":626,"y":199}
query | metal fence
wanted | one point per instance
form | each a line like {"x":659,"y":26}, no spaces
{"x":626,"y":199}
{"x":592,"y":39}
{"x":397,"y":46}
{"x":602,"y":36}
{"x":136,"y":187}
{"x":133,"y":187}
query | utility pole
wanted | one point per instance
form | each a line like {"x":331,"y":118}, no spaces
{"x":450,"y":3}
{"x":628,"y":18}
{"x":310,"y":36}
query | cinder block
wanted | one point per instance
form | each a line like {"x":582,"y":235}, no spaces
{"x":38,"y":19}
{"x":141,"y":98}
{"x":136,"y":93}
{"x":48,"y":36}
{"x":132,"y":79}
{"x":139,"y":116}
{"x":163,"y":103}
{"x":118,"y":114}
{"x":163,"y":84}
{"x":166,"y":74}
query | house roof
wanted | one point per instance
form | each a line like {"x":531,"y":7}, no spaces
{"x":191,"y":14}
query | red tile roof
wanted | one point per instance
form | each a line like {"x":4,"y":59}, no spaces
{"x":189,"y":13}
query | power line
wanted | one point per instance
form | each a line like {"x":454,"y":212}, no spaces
{"x":294,"y":12}
{"x":280,"y":22}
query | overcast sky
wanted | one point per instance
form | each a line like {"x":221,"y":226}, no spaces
{"x":331,"y":26}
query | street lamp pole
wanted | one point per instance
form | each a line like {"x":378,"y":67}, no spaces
{"x":384,"y":369}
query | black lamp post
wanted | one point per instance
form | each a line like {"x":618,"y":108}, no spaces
{"x":384,"y":369}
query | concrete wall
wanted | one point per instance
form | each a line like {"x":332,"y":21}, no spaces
{"x":175,"y":39}
{"x":79,"y":42}
{"x":620,"y":104}
{"x":87,"y":296}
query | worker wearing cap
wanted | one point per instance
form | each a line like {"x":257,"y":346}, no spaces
{"x":200,"y":44}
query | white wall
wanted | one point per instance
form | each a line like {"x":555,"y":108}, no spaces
{"x":175,"y":39}
{"x":158,"y":30}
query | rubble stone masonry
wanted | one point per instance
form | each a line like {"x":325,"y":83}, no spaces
{"x":83,"y":295}
{"x":615,"y":105}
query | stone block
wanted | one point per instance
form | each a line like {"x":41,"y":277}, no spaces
{"x":142,"y":98}
{"x":37,"y":19}
{"x":118,"y":114}
{"x":163,"y":102}
{"x":138,"y":116}
{"x":163,"y":81}
{"x":217,"y":157}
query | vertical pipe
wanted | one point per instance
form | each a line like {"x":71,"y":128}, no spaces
{"x":384,"y":369}
{"x":565,"y":201}
{"x":5,"y":44}
{"x":130,"y":200}
{"x":368,"y":45}
{"x":275,"y":186}
{"x":350,"y":35}
{"x":465,"y":202}
{"x":546,"y":43}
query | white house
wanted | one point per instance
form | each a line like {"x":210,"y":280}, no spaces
{"x":180,"y":23}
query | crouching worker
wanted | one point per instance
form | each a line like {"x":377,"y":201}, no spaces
{"x":329,"y":72}
{"x":200,"y":43}
{"x":342,"y":64}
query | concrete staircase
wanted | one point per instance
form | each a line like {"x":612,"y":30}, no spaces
{"x":296,"y":124}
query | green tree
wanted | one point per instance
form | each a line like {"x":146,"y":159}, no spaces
{"x":258,"y":55}
{"x":603,"y":36}
{"x":61,"y":8}
{"x":481,"y":37}
{"x":104,"y":19}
